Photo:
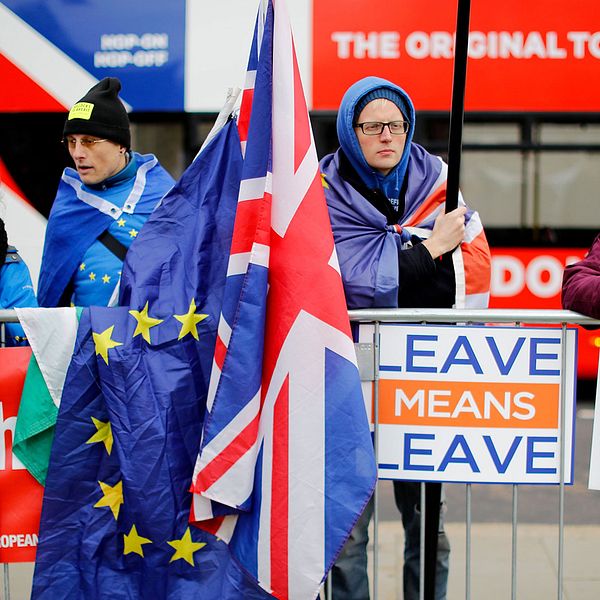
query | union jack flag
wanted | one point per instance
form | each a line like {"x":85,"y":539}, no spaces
{"x":286,"y":449}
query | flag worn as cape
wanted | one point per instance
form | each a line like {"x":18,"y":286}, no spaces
{"x":74,"y":224}
{"x":368,"y":247}
{"x":115,"y":518}
{"x":286,"y":444}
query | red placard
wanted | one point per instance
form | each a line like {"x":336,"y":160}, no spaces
{"x":20,"y":494}
{"x":524,"y":56}
{"x":532,"y":278}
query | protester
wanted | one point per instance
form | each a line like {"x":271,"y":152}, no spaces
{"x":16,"y":289}
{"x":396,"y":248}
{"x":581,"y":283}
{"x":100,"y":205}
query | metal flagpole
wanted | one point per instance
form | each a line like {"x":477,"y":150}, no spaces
{"x":433,"y":492}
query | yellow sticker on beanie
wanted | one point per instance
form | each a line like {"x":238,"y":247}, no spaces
{"x":81,"y":110}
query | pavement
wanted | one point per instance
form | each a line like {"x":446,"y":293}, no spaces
{"x":536,"y":571}
{"x":491,"y":540}
{"x":491,"y":578}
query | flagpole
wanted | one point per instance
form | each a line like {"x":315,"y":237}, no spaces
{"x":433,"y":491}
{"x":457,"y":111}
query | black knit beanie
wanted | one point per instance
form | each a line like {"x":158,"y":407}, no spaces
{"x":382,"y":92}
{"x":3,"y":243}
{"x":101,"y":113}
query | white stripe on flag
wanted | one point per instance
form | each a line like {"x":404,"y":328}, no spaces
{"x":477,"y":300}
{"x":289,"y":183}
{"x":252,"y":189}
{"x":224,"y":331}
{"x":473,"y":228}
{"x":228,"y":434}
{"x":260,"y":255}
{"x":227,"y":528}
{"x":250,"y":80}
{"x":306,"y":494}
{"x":51,"y":333}
{"x":234,"y":487}
{"x":265,"y":437}
{"x":238,"y":263}
{"x":333,"y":261}
{"x":201,"y":507}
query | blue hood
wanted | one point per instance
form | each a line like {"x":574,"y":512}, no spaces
{"x":391,"y":183}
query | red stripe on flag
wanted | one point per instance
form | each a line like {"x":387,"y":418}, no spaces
{"x":246,"y":221}
{"x":220,"y":351}
{"x":476,"y":256}
{"x":252,"y":224}
{"x":245,"y":110}
{"x":280,"y":494}
{"x":228,"y":457}
{"x":210,"y":525}
{"x":431,"y":203}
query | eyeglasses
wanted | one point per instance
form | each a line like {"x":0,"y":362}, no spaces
{"x":377,"y":127}
{"x":70,"y":142}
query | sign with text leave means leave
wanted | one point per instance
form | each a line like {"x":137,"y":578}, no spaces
{"x":20,"y":493}
{"x":474,"y":404}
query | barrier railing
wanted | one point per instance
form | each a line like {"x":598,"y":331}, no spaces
{"x":369,"y":363}
{"x":369,"y":366}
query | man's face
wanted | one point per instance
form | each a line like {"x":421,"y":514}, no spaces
{"x":95,"y":159}
{"x":384,"y":151}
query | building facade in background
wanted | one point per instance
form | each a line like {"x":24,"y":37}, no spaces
{"x":532,"y":121}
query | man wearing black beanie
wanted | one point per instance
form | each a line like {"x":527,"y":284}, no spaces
{"x":100,"y":205}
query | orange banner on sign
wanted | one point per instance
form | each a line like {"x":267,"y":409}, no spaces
{"x":523,"y":56}
{"x":20,"y":494}
{"x":459,"y":404}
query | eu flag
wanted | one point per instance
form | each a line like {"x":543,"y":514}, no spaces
{"x":115,"y":518}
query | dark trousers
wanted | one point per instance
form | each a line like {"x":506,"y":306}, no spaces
{"x":349,"y":574}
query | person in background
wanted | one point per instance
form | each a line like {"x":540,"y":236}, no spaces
{"x":16,"y":289}
{"x":581,"y":283}
{"x":101,"y":204}
{"x":397,"y":248}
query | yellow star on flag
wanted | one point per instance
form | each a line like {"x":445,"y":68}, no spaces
{"x":105,"y":278}
{"x":133,"y":232}
{"x":185,"y":548}
{"x":103,"y":434}
{"x":189,"y":321}
{"x":112,"y":497}
{"x":133,"y":542}
{"x":144,"y":322}
{"x":82,"y":267}
{"x":92,"y":276}
{"x":104,"y":343}
{"x":121,"y":222}
{"x":324,"y":181}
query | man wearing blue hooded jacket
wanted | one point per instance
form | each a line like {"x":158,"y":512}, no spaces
{"x":16,"y":290}
{"x":396,"y":248}
{"x":100,"y":205}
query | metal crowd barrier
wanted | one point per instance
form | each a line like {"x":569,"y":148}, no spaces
{"x":469,"y":317}
{"x":466,"y":316}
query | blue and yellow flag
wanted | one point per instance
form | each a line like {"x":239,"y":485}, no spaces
{"x":115,"y":518}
